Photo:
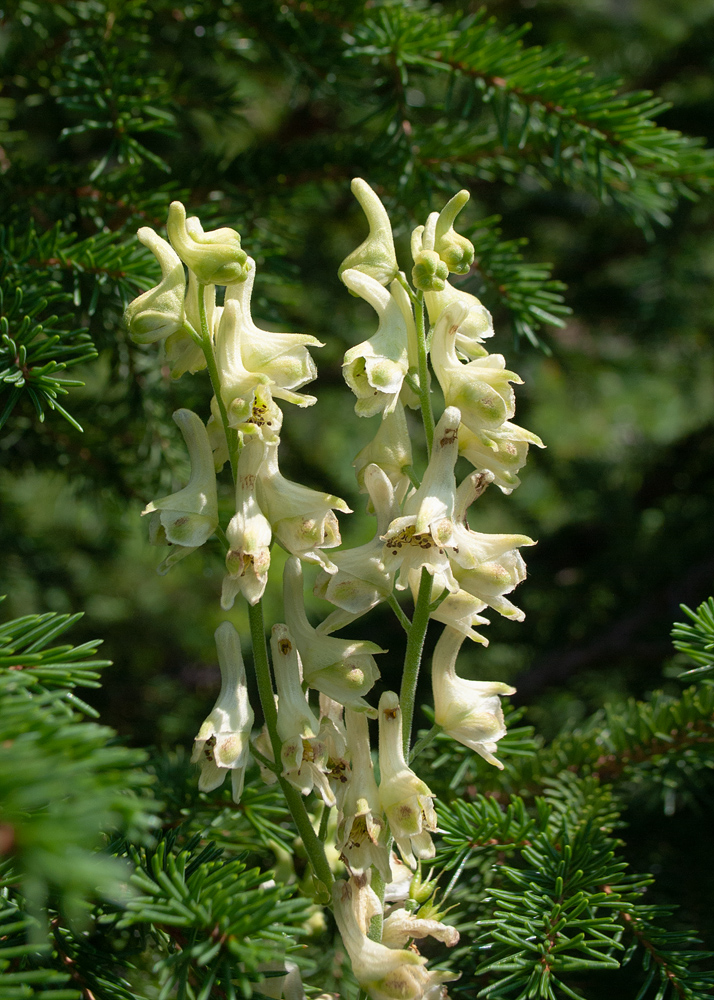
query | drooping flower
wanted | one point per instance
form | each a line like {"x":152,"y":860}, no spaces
{"x":375,"y":369}
{"x":282,"y":358}
{"x":188,"y":518}
{"x":223,"y":740}
{"x":302,"y":519}
{"x":361,"y":580}
{"x":405,"y":798}
{"x":343,"y":669}
{"x":375,"y":256}
{"x":417,"y":538}
{"x":361,"y":830}
{"x":303,"y":754}
{"x":249,"y":533}
{"x":468,"y":711}
{"x":502,"y":450}
{"x":158,"y":312}
{"x":391,"y":450}
{"x":481,"y":389}
{"x":384,"y":973}
{"x":215,"y":257}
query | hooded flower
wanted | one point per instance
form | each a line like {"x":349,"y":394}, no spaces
{"x":391,"y":450}
{"x":183,"y":352}
{"x":215,"y":257}
{"x":417,"y":538}
{"x":361,"y":830}
{"x":303,"y":754}
{"x":502,"y":450}
{"x":223,"y":739}
{"x":334,"y":735}
{"x":159,"y":312}
{"x":468,"y":711}
{"x":405,"y":798}
{"x":263,"y":420}
{"x":375,"y":256}
{"x":249,"y":533}
{"x":302,"y":519}
{"x":375,"y":369}
{"x":188,"y":518}
{"x":480,"y":388}
{"x":475,"y":327}
{"x":281,"y":357}
{"x":456,"y":251}
{"x":384,"y":973}
{"x":361,"y":580}
{"x":343,"y":669}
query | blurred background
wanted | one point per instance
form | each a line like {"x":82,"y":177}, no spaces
{"x":255,"y":129}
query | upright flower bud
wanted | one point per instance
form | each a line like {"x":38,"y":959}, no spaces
{"x":456,"y":251}
{"x":301,"y":518}
{"x":303,"y":754}
{"x":375,"y":369}
{"x":361,"y":830}
{"x":429,"y":272}
{"x":188,"y":518}
{"x":159,"y":312}
{"x":249,"y":533}
{"x":468,"y":711}
{"x":375,"y":256}
{"x":223,"y":740}
{"x":343,"y":669}
{"x":480,"y":388}
{"x":215,"y":257}
{"x":405,"y":799}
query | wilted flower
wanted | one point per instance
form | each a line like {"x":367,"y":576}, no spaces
{"x":375,"y":369}
{"x":480,"y":388}
{"x":405,"y":798}
{"x":303,"y":754}
{"x":158,"y":312}
{"x":375,"y":256}
{"x":403,"y":925}
{"x":215,"y":257}
{"x":417,"y":538}
{"x":361,"y":580}
{"x":343,"y":669}
{"x":361,"y":830}
{"x":391,"y":450}
{"x":249,"y":533}
{"x":385,"y":973}
{"x":281,"y":357}
{"x":188,"y":518}
{"x":223,"y":739}
{"x":468,"y":711}
{"x":301,"y":518}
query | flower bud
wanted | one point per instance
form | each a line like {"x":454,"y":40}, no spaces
{"x":405,"y":798}
{"x":456,"y":251}
{"x":429,"y":272}
{"x":215,"y":257}
{"x":376,"y":256}
{"x":188,"y":518}
{"x":158,"y":312}
{"x":468,"y":711}
{"x":223,"y":740}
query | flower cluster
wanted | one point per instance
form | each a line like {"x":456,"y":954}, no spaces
{"x":317,"y":735}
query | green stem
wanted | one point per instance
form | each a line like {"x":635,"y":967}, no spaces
{"x":313,"y":847}
{"x":207,"y":345}
{"x":412,"y":657}
{"x":324,"y":822}
{"x":424,"y":742}
{"x":427,"y":414}
{"x":376,"y":924}
{"x":397,"y":609}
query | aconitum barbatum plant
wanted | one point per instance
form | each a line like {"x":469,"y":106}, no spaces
{"x":317,"y":691}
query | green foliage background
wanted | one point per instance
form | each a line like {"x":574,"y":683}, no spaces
{"x":257,"y":115}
